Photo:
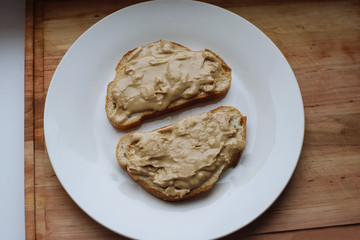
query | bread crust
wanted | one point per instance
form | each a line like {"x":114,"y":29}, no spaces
{"x":157,"y":191}
{"x":181,"y":103}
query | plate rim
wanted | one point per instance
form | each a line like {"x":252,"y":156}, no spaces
{"x":204,"y":4}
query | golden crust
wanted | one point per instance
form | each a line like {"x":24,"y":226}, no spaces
{"x":182,"y":103}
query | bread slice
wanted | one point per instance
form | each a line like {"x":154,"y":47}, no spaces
{"x":125,"y":112}
{"x":185,"y":158}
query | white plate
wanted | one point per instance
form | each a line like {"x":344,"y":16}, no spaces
{"x":81,"y":142}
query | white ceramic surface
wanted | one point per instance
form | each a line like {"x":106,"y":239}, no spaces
{"x":81,"y":142}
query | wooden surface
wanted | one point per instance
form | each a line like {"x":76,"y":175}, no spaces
{"x":321,"y":41}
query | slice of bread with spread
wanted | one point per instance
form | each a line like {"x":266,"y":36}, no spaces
{"x":160,"y":77}
{"x":185,"y":158}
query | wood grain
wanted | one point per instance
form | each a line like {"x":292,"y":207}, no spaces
{"x":39,"y":146}
{"x":320,"y":40}
{"x":349,"y":232}
{"x":29,"y":166}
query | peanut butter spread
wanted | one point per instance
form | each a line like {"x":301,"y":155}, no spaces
{"x":186,"y":154}
{"x":152,"y":77}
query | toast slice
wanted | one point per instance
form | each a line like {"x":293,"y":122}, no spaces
{"x":161,"y":77}
{"x":185,"y":158}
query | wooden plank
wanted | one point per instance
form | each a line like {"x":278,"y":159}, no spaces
{"x":320,"y":41}
{"x":351,"y":232}
{"x":40,"y":211}
{"x":29,"y":124}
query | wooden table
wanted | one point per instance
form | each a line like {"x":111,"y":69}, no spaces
{"x":321,"y":41}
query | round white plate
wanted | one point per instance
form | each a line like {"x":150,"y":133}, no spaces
{"x":81,"y":142}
